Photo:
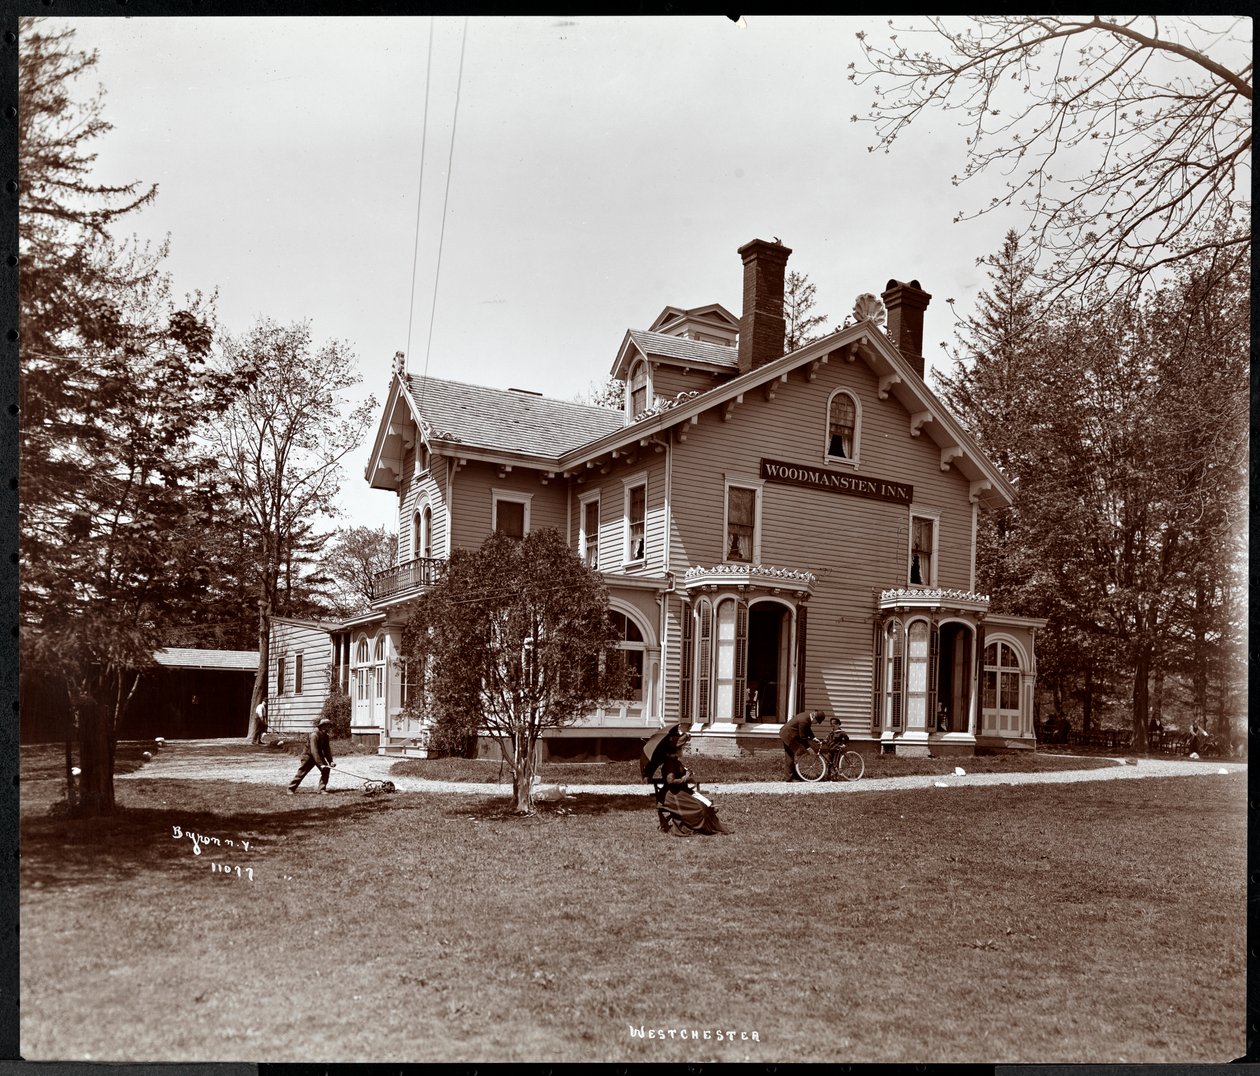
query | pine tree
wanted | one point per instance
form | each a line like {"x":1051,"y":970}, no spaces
{"x":112,"y":380}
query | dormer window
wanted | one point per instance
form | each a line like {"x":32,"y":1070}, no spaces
{"x":842,"y":427}
{"x":638,"y":388}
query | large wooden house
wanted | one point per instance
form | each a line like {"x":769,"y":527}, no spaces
{"x":777,"y":532}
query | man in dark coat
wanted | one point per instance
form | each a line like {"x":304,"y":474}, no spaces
{"x":798,"y":735}
{"x":318,"y":752}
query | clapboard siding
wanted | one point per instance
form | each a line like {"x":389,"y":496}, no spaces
{"x":612,"y":513}
{"x":669,"y":381}
{"x":286,"y":709}
{"x":427,"y":487}
{"x":472,"y":507}
{"x":854,"y":545}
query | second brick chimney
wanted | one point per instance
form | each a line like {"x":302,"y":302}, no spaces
{"x":761,"y":326}
{"x":905,"y":304}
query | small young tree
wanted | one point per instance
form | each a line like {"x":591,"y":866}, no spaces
{"x":802,"y":326}
{"x":610,"y":393}
{"x":516,"y":639}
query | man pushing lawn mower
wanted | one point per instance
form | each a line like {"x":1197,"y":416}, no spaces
{"x":318,"y":752}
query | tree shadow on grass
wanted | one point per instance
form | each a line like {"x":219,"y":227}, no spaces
{"x":150,"y":834}
{"x":580,"y":804}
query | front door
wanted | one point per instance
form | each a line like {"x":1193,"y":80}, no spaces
{"x":769,"y":662}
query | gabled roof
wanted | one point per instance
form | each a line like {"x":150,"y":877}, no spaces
{"x":676,"y":350}
{"x":177,"y":657}
{"x":541,"y":432}
{"x":500,"y":419}
{"x":713,"y":312}
{"x":863,"y":339}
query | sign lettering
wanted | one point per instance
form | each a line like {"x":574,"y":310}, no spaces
{"x":797,"y":474}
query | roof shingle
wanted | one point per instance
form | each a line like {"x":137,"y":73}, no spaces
{"x":508,"y":421}
{"x":177,"y":657}
{"x":662,"y":345}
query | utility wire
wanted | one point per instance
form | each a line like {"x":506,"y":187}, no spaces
{"x":459,"y":78}
{"x":424,"y":138}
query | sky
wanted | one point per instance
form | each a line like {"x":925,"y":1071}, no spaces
{"x":574,"y":176}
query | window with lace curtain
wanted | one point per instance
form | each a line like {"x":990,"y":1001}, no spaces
{"x":741,"y":524}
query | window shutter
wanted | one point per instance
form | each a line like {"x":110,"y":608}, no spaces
{"x":802,"y":616}
{"x":980,"y":648}
{"x":896,"y":647}
{"x":878,"y":700}
{"x":704,"y":664}
{"x":741,"y":661}
{"x":688,"y":657}
{"x":934,"y":653}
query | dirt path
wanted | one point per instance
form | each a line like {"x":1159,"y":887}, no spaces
{"x":351,"y":772}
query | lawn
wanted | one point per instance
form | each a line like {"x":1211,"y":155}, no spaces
{"x":760,"y":766}
{"x":1097,"y":922}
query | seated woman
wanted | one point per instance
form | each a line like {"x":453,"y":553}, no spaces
{"x":695,"y":810}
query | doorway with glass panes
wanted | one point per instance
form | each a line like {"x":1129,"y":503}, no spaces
{"x":744,"y":660}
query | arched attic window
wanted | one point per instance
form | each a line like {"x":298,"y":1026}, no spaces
{"x":843,"y":426}
{"x":638,"y":387}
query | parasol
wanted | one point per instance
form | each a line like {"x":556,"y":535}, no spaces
{"x":654,"y":750}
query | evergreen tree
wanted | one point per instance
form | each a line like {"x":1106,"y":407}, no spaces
{"x":798,"y":303}
{"x":112,"y":380}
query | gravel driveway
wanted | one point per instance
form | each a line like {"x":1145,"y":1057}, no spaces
{"x":277,"y":769}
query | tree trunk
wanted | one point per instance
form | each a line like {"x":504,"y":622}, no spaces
{"x":522,"y":775}
{"x":1141,"y":696}
{"x":254,"y":732}
{"x":1087,"y":702}
{"x":1199,"y":656}
{"x":96,"y":758}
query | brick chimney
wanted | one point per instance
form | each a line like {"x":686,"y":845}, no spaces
{"x":761,"y":326}
{"x":905,"y":304}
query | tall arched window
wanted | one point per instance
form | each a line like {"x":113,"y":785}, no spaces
{"x":1001,"y":684}
{"x":842,"y":426}
{"x":894,"y":675}
{"x":633,"y":647}
{"x":378,"y":668}
{"x":917,"y":654}
{"x":424,"y":532}
{"x":361,"y":671}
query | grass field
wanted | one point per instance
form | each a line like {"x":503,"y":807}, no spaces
{"x":1097,"y":922}
{"x":761,"y":766}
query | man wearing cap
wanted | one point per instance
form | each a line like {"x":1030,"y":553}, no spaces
{"x":798,"y":735}
{"x":318,"y":752}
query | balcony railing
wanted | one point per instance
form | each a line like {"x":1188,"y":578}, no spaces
{"x":408,"y":577}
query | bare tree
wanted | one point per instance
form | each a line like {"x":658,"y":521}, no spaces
{"x":1127,"y":139}
{"x":283,"y":443}
{"x":355,"y":556}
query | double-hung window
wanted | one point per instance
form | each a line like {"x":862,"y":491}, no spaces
{"x":922,"y":551}
{"x":589,"y":537}
{"x":742,"y":537}
{"x":636,"y":519}
{"x":511,"y":512}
